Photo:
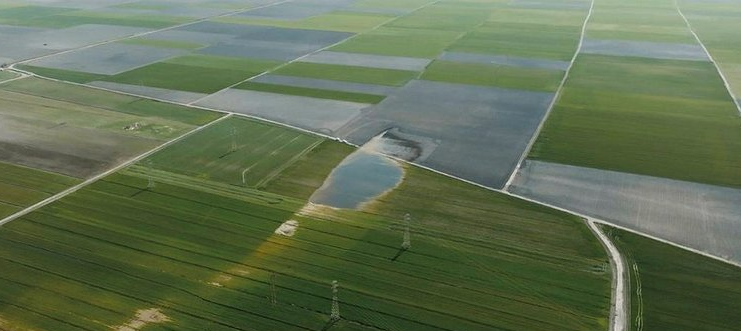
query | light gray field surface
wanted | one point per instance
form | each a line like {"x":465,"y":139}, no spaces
{"x":79,"y":4}
{"x":325,"y":84}
{"x":154,"y":92}
{"x":512,"y":61}
{"x":481,"y":132}
{"x":296,"y":10}
{"x":179,"y":10}
{"x":70,"y":150}
{"x":266,"y":50}
{"x":303,"y":36}
{"x":539,"y":4}
{"x":203,"y":38}
{"x":703,"y":217}
{"x":368,"y":60}
{"x":45,"y":42}
{"x":648,"y":49}
{"x":223,"y":28}
{"x":108,"y":59}
{"x":319,"y":115}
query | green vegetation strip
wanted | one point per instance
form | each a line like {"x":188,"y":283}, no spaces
{"x":110,"y":101}
{"x":645,"y":116}
{"x":21,"y":187}
{"x":311,"y":92}
{"x":233,"y":150}
{"x":194,"y":73}
{"x":674,"y":289}
{"x":494,"y":75}
{"x":354,"y":74}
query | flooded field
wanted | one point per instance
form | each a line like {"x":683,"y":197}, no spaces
{"x":361,"y":177}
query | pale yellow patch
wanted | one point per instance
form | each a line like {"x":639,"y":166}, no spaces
{"x":142,"y":318}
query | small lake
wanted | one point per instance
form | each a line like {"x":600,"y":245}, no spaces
{"x":360,"y":177}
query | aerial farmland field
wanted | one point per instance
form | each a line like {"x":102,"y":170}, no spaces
{"x":370,"y":165}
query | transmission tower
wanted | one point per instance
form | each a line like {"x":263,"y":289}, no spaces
{"x":273,"y":294}
{"x":335,"y":315}
{"x":150,"y":180}
{"x":407,"y":243}
{"x":234,"y":140}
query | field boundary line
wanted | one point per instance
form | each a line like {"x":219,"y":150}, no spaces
{"x":136,"y":35}
{"x":22,"y":75}
{"x":118,"y":167}
{"x":556,"y":96}
{"x":283,"y":65}
{"x":712,"y":60}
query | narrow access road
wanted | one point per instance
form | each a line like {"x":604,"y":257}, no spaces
{"x":91,"y":180}
{"x":619,"y":309}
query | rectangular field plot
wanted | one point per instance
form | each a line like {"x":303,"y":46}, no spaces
{"x":204,"y":254}
{"x":343,"y":21}
{"x":194,"y":73}
{"x":312,"y":92}
{"x":21,"y":187}
{"x":111,"y":101}
{"x":236,"y":149}
{"x":108,"y":59}
{"x":351,"y":74}
{"x":653,"y":117}
{"x":674,"y":289}
{"x":399,"y":42}
{"x":474,"y":132}
{"x":700,"y":216}
{"x":67,"y":137}
{"x":521,"y":40}
{"x":494,"y":75}
{"x":716,"y":24}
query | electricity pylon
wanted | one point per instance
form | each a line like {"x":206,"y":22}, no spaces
{"x":234,"y":140}
{"x":407,"y":243}
{"x":335,"y":315}
{"x":150,"y":180}
{"x":273,"y":294}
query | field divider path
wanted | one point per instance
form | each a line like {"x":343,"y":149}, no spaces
{"x":556,"y":96}
{"x":283,"y":65}
{"x":21,"y":76}
{"x":620,"y":297}
{"x":95,"y":178}
{"x":712,"y":60}
{"x":109,"y":41}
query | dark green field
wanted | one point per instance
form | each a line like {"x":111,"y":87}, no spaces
{"x":643,"y":116}
{"x":235,"y":147}
{"x":679,"y":290}
{"x":312,"y":92}
{"x":21,"y":187}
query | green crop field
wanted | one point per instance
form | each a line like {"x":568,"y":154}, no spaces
{"x":110,"y":101}
{"x":204,"y":254}
{"x":399,"y":42}
{"x":6,"y":75}
{"x":312,"y":92}
{"x":21,"y":187}
{"x":334,"y":21}
{"x":344,"y":73}
{"x":494,"y":75}
{"x":716,"y":24}
{"x":194,"y":73}
{"x":641,"y":116}
{"x":673,"y":289}
{"x":260,"y":152}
